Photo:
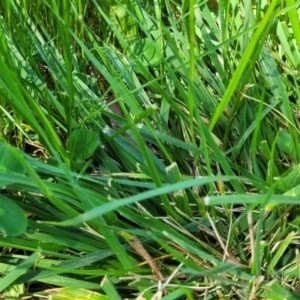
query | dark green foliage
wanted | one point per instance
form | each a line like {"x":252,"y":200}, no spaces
{"x":148,"y":153}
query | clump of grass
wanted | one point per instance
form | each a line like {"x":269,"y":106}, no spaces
{"x":153,"y":148}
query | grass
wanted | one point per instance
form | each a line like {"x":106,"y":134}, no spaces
{"x":149,"y":150}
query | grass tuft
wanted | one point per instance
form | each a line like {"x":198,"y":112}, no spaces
{"x":149,"y":150}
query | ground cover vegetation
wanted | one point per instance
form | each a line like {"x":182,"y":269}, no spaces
{"x":149,"y":149}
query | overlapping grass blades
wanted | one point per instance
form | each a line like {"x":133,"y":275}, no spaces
{"x":189,"y":187}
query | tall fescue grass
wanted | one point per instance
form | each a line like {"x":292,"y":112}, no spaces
{"x":149,"y":149}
